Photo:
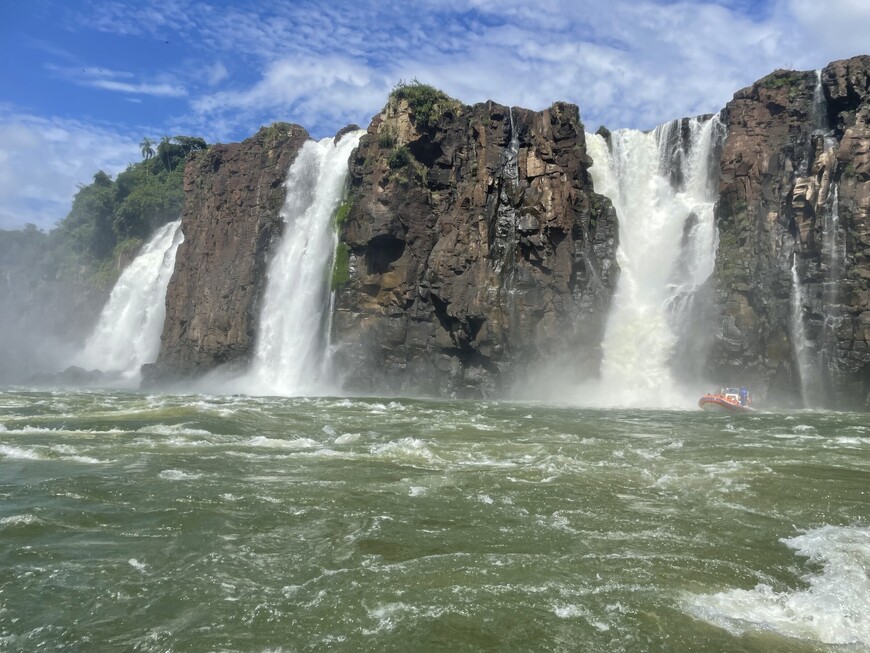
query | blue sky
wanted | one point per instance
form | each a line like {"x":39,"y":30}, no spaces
{"x":82,"y":82}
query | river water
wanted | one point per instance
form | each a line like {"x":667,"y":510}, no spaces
{"x":134,"y":522}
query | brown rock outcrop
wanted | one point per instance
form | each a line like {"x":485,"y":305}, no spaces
{"x":477,"y":251}
{"x":233,"y":197}
{"x":795,"y":191}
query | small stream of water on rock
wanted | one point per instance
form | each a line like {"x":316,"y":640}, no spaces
{"x":833,"y":263}
{"x":799,"y":336}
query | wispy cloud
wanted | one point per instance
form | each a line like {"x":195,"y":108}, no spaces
{"x":159,"y":90}
{"x":42,"y":161}
{"x":314,"y":92}
{"x":625,"y":62}
{"x":216,"y":73}
{"x":110,"y":80}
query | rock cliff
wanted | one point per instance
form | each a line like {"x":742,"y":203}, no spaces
{"x":476,"y":251}
{"x":792,"y":269}
{"x":233,"y":196}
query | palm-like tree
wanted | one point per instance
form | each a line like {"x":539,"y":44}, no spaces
{"x":147,"y":150}
{"x":164,"y":151}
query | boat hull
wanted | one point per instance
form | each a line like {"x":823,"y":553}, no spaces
{"x":721,"y":405}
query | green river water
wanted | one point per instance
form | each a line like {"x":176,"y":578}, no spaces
{"x":133,"y":522}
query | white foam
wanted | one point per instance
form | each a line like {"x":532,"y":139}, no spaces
{"x":275,"y":443}
{"x":834,"y":609}
{"x":136,"y":564}
{"x":85,"y":460}
{"x":19,"y":520}
{"x":173,"y":429}
{"x":407,"y":450}
{"x":17,"y":453}
{"x":347,"y":438}
{"x":851,"y":441}
{"x":178,"y":475}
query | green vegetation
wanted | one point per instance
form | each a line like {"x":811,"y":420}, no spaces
{"x":399,"y":158}
{"x":277,"y":131}
{"x":386,"y":139}
{"x":342,"y":213}
{"x":780,"y":79}
{"x":340,"y":267}
{"x":147,"y":150}
{"x":427,"y":103}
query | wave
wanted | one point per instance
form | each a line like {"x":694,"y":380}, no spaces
{"x":833,"y":609}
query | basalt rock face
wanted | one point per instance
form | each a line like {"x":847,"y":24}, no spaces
{"x":792,"y":273}
{"x":230,"y":220}
{"x":477,"y":252}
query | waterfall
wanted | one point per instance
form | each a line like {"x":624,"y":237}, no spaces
{"x":833,"y":262}
{"x":127,"y":334}
{"x":506,"y":227}
{"x":819,"y":109}
{"x":291,"y":349}
{"x":831,"y":237}
{"x":662,"y":186}
{"x":798,"y":333}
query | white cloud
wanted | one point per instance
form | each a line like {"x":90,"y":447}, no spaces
{"x":216,"y":73}
{"x":159,"y":90}
{"x":311,"y":91}
{"x":835,"y":28}
{"x":632,"y":63}
{"x":43,"y":160}
{"x":626,"y":63}
{"x":109,"y":80}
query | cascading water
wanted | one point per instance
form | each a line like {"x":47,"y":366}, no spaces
{"x":833,"y":262}
{"x":507,"y":222}
{"x":798,"y":335}
{"x":291,"y":350}
{"x":128,"y":332}
{"x":662,"y":185}
{"x":816,"y":358}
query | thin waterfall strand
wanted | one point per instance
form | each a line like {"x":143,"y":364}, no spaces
{"x":798,"y":332}
{"x":664,"y":198}
{"x":128,"y":332}
{"x":292,"y":345}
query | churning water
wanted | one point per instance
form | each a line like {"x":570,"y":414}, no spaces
{"x":137,"y":522}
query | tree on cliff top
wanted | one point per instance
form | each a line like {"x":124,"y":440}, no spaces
{"x":147,"y":150}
